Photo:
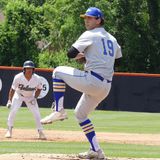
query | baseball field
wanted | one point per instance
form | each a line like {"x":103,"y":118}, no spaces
{"x":122,"y":135}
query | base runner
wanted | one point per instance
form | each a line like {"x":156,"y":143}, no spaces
{"x":26,"y":87}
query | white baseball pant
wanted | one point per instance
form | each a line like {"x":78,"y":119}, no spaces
{"x":94,"y":90}
{"x":31,"y":103}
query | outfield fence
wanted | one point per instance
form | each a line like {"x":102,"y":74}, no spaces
{"x":137,"y":92}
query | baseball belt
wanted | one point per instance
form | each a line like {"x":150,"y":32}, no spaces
{"x":99,"y":77}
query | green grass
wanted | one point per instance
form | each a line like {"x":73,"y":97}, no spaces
{"x":111,"y":150}
{"x":104,"y":121}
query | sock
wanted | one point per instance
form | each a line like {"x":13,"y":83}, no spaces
{"x":58,"y":93}
{"x":88,"y":129}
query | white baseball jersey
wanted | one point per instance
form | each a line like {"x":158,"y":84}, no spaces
{"x":24,"y":92}
{"x":100,"y":49}
{"x":24,"y":87}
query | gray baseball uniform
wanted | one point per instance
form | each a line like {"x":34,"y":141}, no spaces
{"x":100,"y":50}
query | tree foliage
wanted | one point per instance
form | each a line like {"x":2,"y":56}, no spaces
{"x":23,"y":26}
{"x":67,"y":24}
{"x":137,"y":36}
{"x":154,"y":35}
{"x":135,"y":24}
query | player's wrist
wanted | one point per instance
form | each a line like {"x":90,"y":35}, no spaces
{"x":9,"y":101}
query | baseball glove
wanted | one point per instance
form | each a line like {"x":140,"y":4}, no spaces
{"x":81,"y":60}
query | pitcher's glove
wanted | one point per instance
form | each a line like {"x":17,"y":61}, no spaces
{"x":81,"y":60}
{"x":9,"y":103}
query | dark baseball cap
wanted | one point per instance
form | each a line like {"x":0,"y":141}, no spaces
{"x":93,"y":12}
{"x":28,"y":64}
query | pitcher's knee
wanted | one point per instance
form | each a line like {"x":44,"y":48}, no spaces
{"x":81,"y":117}
{"x":57,"y":70}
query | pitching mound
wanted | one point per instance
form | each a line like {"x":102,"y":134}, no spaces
{"x":26,"y":135}
{"x":32,"y":156}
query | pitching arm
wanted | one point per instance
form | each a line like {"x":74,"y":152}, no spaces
{"x":72,"y":53}
{"x":75,"y":54}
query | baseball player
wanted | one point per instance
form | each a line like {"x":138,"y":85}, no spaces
{"x":100,"y":50}
{"x":26,"y":87}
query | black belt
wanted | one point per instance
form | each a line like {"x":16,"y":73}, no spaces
{"x":99,"y":77}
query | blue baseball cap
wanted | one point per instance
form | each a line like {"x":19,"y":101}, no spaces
{"x":93,"y":12}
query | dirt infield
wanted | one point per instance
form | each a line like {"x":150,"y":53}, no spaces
{"x":28,"y":135}
{"x":76,"y":136}
{"x":55,"y":157}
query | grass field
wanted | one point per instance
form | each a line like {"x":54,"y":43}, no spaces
{"x":104,"y":121}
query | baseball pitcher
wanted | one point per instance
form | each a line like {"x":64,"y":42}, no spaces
{"x":100,"y":50}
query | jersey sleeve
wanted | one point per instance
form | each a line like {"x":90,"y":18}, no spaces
{"x":83,"y":42}
{"x":118,"y":52}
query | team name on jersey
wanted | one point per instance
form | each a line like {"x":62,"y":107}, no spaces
{"x":27,"y":88}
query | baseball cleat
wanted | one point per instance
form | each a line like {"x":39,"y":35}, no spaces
{"x":55,"y":116}
{"x":99,"y":155}
{"x":8,"y":134}
{"x":41,"y":135}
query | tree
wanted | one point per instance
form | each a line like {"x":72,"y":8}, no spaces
{"x":64,"y":16}
{"x":24,"y":25}
{"x":36,"y":2}
{"x":136,"y":36}
{"x":154,"y":35}
{"x":3,"y":3}
{"x":135,"y":24}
